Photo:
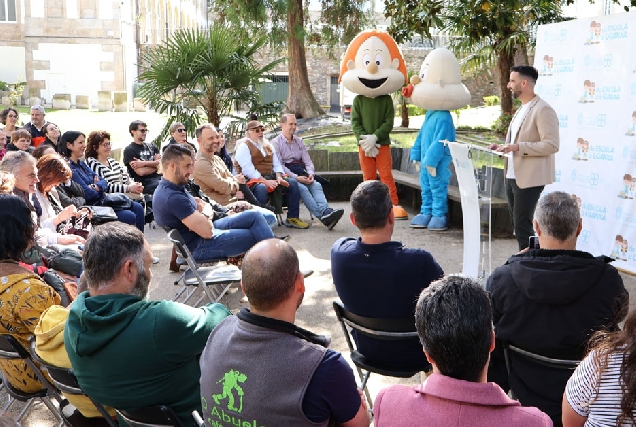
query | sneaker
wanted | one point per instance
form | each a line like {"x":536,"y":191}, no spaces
{"x":296,"y":223}
{"x":331,"y":219}
{"x":155,"y":260}
{"x":284,"y":238}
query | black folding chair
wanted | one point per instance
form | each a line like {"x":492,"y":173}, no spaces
{"x":64,"y":379}
{"x":382,"y":329}
{"x":215,"y":280}
{"x":152,"y":416}
{"x":11,"y":349}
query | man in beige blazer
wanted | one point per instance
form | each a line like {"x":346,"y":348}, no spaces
{"x":532,"y":141}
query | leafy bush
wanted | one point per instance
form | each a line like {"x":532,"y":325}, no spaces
{"x":492,"y":100}
{"x":4,"y":86}
{"x":502,"y":124}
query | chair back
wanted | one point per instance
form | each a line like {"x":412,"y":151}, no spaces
{"x":180,"y":247}
{"x":563,"y":364}
{"x":151,"y":416}
{"x":379,"y":328}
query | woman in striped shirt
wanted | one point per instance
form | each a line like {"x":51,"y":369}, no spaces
{"x":602,"y":389}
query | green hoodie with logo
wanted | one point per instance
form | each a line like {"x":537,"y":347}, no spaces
{"x":130,"y":353}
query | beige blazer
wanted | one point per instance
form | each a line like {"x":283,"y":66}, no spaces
{"x":538,"y":140}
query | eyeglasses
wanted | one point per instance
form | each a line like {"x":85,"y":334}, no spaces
{"x":259,"y":130}
{"x":106,"y":144}
{"x":143,"y":130}
{"x":181,"y":130}
{"x":12,"y":116}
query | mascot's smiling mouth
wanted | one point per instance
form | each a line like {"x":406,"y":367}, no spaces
{"x":372,"y":84}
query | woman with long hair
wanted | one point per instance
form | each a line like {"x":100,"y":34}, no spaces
{"x":23,"y":295}
{"x":52,"y":133}
{"x":602,"y":389}
{"x":9,"y":118}
{"x":72,"y":145}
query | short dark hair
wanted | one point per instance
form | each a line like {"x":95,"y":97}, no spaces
{"x":95,"y":138}
{"x":39,"y":151}
{"x":453,"y":318}
{"x":199,"y":130}
{"x":134,"y":125}
{"x":20,"y":133}
{"x":371,"y":204}
{"x":269,"y":276}
{"x":107,"y":248}
{"x":68,"y":136}
{"x":17,"y":229}
{"x":527,"y":71}
{"x":174,"y":153}
{"x":5,"y":113}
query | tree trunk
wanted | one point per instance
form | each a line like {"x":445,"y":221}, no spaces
{"x":504,"y":62}
{"x":405,"y":113}
{"x":300,"y":99}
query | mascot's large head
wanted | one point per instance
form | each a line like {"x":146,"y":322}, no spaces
{"x":373,"y":65}
{"x":439,"y":85}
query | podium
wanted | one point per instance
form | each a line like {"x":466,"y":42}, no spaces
{"x":474,"y":169}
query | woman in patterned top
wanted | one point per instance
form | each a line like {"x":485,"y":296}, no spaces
{"x":602,"y":389}
{"x":23,"y":295}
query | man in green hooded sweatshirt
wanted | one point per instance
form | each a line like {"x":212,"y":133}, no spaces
{"x":128,"y":352}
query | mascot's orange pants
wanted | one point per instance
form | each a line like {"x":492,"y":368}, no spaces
{"x":383,"y":164}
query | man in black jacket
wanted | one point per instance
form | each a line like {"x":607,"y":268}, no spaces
{"x":549,"y":301}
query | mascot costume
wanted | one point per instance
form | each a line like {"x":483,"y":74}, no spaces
{"x":373,"y":67}
{"x":438,"y":89}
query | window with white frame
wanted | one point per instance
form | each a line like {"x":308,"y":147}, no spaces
{"x":7,"y":11}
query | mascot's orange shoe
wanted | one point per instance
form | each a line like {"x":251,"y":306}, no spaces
{"x":399,"y":212}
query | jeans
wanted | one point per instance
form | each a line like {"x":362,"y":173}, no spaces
{"x":267,"y":214}
{"x":292,"y":192}
{"x":521,"y":204}
{"x":313,"y":198}
{"x":133,"y":216}
{"x":233,"y":235}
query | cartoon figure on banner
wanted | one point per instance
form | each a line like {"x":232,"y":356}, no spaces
{"x":438,"y":89}
{"x":589,"y":89}
{"x":624,"y":250}
{"x":548,"y":65}
{"x":595,"y":33}
{"x":632,"y":130}
{"x":618,"y":244}
{"x":628,"y":187}
{"x":373,"y":67}
{"x":579,"y":149}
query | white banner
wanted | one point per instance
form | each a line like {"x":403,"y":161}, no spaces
{"x":587,"y":73}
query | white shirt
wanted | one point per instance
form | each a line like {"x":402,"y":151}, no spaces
{"x":515,"y":125}
{"x":244,"y":159}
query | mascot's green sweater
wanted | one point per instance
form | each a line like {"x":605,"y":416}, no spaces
{"x":373,"y":116}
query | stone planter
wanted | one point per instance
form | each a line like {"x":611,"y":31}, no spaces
{"x":104,"y":100}
{"x":120,"y":101}
{"x":82,"y":102}
{"x":62,"y":101}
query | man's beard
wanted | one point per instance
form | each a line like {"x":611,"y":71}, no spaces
{"x":140,"y":288}
{"x":181,"y":179}
{"x":516,"y":94}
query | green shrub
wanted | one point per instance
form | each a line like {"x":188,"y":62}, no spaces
{"x":502,"y":124}
{"x":492,"y":100}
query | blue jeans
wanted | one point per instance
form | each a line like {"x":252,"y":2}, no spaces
{"x":133,"y":216}
{"x":292,"y":193}
{"x":270,"y":218}
{"x":313,"y":198}
{"x":233,"y":235}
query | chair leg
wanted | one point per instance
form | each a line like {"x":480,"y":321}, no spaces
{"x":366,"y":390}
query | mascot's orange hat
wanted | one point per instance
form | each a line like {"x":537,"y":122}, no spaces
{"x":394,"y":51}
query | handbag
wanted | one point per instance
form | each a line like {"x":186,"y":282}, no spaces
{"x":117,"y":201}
{"x":80,"y":226}
{"x":102,"y":214}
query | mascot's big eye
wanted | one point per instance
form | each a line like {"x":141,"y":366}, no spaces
{"x":378,"y":60}
{"x":366,"y":59}
{"x":424,"y":72}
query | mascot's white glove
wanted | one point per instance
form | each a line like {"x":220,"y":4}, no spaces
{"x":373,"y":151}
{"x":417,"y":165}
{"x":431,"y":170}
{"x":368,"y":141}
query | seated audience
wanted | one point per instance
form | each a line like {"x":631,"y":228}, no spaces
{"x":549,"y":301}
{"x":3,"y":140}
{"x":21,"y":142}
{"x":43,"y":150}
{"x":98,"y":159}
{"x":23,"y":295}
{"x":52,"y":133}
{"x":453,"y":318}
{"x":142,"y":159}
{"x":175,"y":208}
{"x":179,"y":135}
{"x":127,"y":352}
{"x":212,"y":174}
{"x":72,"y":145}
{"x":36,"y":125}
{"x":9,"y":118}
{"x":23,"y":167}
{"x":293,"y":156}
{"x":7,"y":182}
{"x":257,"y":161}
{"x":222,"y":151}
{"x":281,"y":374}
{"x":377,"y":277}
{"x":601,"y":390}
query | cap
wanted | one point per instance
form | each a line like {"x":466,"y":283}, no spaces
{"x":253,"y":124}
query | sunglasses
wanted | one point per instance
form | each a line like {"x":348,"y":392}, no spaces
{"x":143,"y":130}
{"x":180,"y":130}
{"x":259,"y":129}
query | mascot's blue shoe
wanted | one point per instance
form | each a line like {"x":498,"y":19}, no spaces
{"x":438,"y":223}
{"x":421,"y":220}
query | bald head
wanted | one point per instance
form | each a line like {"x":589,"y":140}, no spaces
{"x":270,"y":270}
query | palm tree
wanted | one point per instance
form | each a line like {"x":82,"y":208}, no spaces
{"x":211,"y":70}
